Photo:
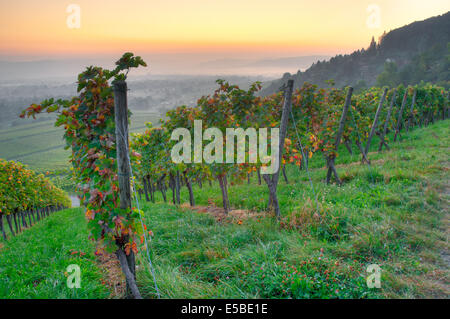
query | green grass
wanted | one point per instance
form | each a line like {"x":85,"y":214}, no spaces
{"x":33,"y":264}
{"x":389,"y":214}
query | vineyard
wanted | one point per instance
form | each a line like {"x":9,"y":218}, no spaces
{"x":335,"y":210}
{"x":320,"y":120}
{"x":26,"y":197}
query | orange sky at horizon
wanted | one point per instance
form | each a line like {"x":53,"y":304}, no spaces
{"x":281,"y":28}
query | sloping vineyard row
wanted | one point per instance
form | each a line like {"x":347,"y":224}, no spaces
{"x":26,"y":197}
{"x":320,"y":120}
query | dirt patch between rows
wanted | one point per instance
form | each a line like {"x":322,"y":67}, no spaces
{"x":376,"y":162}
{"x":113,"y":276}
{"x":233,"y":216}
{"x":357,"y":163}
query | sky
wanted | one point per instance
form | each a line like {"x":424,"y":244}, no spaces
{"x":200,"y":29}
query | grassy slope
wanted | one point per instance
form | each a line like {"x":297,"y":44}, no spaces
{"x":33,"y":264}
{"x":40,"y":144}
{"x":390,"y":214}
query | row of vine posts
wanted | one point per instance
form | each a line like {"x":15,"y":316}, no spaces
{"x":175,"y":182}
{"x":26,"y":218}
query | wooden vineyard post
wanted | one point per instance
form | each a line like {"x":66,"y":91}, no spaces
{"x":272,"y":179}
{"x":375,"y":123}
{"x":400,"y":116}
{"x":411,"y":114}
{"x":386,"y":123}
{"x":127,"y":262}
{"x":331,"y":159}
{"x":223,"y":182}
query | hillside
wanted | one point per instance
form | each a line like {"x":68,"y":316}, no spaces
{"x":407,"y":55}
{"x":394,"y":214}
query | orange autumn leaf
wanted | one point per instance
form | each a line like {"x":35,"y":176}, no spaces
{"x":90,"y":214}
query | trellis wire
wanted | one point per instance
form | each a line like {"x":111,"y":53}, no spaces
{"x":357,"y":133}
{"x":306,"y":166}
{"x":140,"y":218}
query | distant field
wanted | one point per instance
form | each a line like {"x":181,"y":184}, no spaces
{"x":41,"y":146}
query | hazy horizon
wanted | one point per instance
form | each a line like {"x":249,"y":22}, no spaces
{"x":195,"y":37}
{"x":160,"y":65}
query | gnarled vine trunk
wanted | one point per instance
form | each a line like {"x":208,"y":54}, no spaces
{"x":285,"y":175}
{"x":144,"y":181}
{"x":15,"y":223}
{"x":222,"y":178}
{"x":2,"y":228}
{"x":178,"y":187}
{"x":8,"y":219}
{"x":172,"y":187}
{"x":189,"y":187}
{"x":127,"y":263}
